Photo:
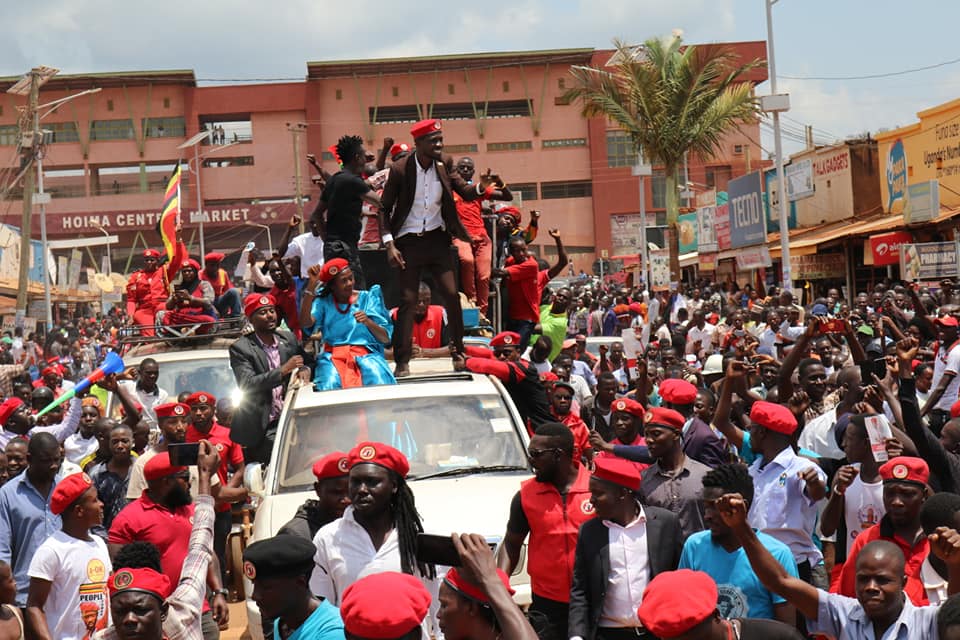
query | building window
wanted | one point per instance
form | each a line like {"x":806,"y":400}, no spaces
{"x":164,"y":127}
{"x":510,"y":146}
{"x":111,"y":130}
{"x":460,"y":148}
{"x":109,"y":105}
{"x":166,"y":103}
{"x":451,"y":89}
{"x":241,"y":161}
{"x":401,"y":113}
{"x":61,"y":132}
{"x":570,"y":189}
{"x":506,"y":86}
{"x":561,"y":83}
{"x":620,"y":150}
{"x":9,"y":134}
{"x":339,"y":94}
{"x":225,"y":128}
{"x":564,"y":142}
{"x":718,"y":177}
{"x":737,"y":149}
{"x":527,"y":190}
{"x":395,"y":91}
{"x":326,"y":155}
{"x":658,"y":186}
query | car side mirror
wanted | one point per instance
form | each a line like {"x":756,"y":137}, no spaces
{"x":253,"y":479}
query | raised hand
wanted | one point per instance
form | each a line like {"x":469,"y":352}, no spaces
{"x":844,"y":478}
{"x":598,"y":443}
{"x":816,"y":487}
{"x":295,"y":221}
{"x":893,"y":446}
{"x":733,"y":510}
{"x":313,"y":272}
{"x":907,"y":349}
{"x":387,"y":143}
{"x":554,"y":233}
{"x":945,"y":544}
{"x":798,"y":403}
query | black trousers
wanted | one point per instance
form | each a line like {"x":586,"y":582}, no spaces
{"x":549,"y":618}
{"x":430,"y":251}
{"x":336,"y":248}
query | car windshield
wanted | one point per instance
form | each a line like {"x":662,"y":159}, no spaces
{"x":436,"y":434}
{"x":211,"y":374}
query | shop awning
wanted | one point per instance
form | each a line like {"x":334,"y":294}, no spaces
{"x":689,"y":259}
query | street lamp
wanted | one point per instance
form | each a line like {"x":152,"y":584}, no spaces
{"x":776,"y":103}
{"x":251,"y":223}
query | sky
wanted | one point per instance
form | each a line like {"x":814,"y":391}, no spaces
{"x":246,"y":39}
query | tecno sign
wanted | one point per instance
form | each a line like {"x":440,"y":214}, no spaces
{"x":886,"y":247}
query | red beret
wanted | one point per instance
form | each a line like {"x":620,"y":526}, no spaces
{"x":676,"y":391}
{"x":384,"y":605}
{"x":49,"y":370}
{"x":159,"y":467}
{"x":380,"y":454}
{"x":145,"y":580}
{"x":905,"y":469}
{"x":201,"y":397}
{"x":151,"y":253}
{"x":549,"y":376}
{"x":67,"y":491}
{"x":948,"y":321}
{"x":506,"y":339}
{"x":511,"y":211}
{"x":256,"y":301}
{"x":399,"y":147}
{"x":458,"y":583}
{"x":658,"y":416}
{"x":171,"y":410}
{"x":425,"y":127}
{"x":331,"y":268}
{"x":8,"y":408}
{"x":775,"y":417}
{"x":626,"y":405}
{"x":214,"y":256}
{"x":618,"y":471}
{"x":332,"y":465}
{"x":955,"y":410}
{"x":674,"y":602}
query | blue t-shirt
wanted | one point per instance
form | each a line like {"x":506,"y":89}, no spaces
{"x":741,"y":594}
{"x":323,"y":624}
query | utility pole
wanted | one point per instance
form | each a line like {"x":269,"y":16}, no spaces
{"x":295,"y":130}
{"x":29,"y":139}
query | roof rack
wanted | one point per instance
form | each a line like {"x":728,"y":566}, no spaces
{"x":180,"y":335}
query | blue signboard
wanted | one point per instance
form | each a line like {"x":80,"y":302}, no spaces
{"x":772,"y":208}
{"x":748,"y":221}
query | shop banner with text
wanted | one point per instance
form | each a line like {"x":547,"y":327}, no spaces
{"x":748,"y":223}
{"x":928,"y":261}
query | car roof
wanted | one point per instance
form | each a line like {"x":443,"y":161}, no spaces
{"x":444,"y":385}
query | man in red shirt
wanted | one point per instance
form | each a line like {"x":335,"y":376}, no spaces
{"x":205,"y":427}
{"x":476,"y":256}
{"x":561,"y":401}
{"x":429,"y":327}
{"x":163,"y":516}
{"x":525,"y":284}
{"x":227,"y":297}
{"x":147,"y":289}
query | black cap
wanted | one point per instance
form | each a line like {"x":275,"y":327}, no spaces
{"x":281,"y":556}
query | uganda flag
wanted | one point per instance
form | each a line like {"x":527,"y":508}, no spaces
{"x":170,"y":215}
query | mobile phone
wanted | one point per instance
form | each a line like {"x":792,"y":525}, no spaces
{"x":433,"y":549}
{"x":834,"y":325}
{"x":183,"y":454}
{"x":880,"y":367}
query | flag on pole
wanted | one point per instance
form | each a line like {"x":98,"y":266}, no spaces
{"x":170,"y":215}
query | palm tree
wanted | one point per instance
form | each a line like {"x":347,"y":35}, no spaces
{"x":671,"y":100}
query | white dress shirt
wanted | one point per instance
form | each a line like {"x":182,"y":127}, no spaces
{"x":425,"y":213}
{"x":310,"y":250}
{"x":934,"y":584}
{"x":781,"y":507}
{"x":629,"y":572}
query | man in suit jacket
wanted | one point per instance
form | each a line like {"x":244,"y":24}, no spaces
{"x":618,"y":553}
{"x":419,"y":219}
{"x":262,"y":362}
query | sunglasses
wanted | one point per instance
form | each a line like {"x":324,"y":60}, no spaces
{"x":536,"y":453}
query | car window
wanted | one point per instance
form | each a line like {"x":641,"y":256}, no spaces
{"x":435,"y":433}
{"x":212,"y":375}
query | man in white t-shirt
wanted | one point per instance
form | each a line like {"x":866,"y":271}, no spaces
{"x":67,"y":599}
{"x":307,"y":246}
{"x":946,"y":382}
{"x":700,"y":336}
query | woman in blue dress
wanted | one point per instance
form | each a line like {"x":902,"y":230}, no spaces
{"x":355,"y":327}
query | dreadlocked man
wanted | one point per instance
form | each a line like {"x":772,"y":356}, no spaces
{"x":378,"y":531}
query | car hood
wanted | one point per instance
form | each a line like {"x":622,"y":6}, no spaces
{"x":468,"y":504}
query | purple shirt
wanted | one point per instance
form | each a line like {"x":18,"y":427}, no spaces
{"x":273,"y":358}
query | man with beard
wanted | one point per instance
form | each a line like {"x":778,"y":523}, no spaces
{"x":163,"y":516}
{"x":550,"y":507}
{"x":332,"y":486}
{"x":476,"y":257}
{"x":429,"y":327}
{"x":191,"y":301}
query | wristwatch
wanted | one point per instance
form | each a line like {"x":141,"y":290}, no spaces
{"x":220,"y":592}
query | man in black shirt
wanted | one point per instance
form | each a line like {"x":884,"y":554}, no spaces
{"x":342,"y":201}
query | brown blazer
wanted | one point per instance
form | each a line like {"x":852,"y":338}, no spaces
{"x":401,"y":186}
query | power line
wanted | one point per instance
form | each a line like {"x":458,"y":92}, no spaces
{"x":874,"y":75}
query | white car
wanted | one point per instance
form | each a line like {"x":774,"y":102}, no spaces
{"x":461,"y":432}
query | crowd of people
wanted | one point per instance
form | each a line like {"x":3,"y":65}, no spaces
{"x":732,"y":463}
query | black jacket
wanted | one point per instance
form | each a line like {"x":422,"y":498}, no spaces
{"x":592,"y":565}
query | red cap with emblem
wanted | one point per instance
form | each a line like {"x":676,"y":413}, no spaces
{"x":8,"y":408}
{"x":332,"y":465}
{"x":948,"y":321}
{"x":145,"y":580}
{"x":905,"y":469}
{"x":190,"y":262}
{"x":159,"y":467}
{"x":774,"y":417}
{"x":676,"y":391}
{"x":380,"y":454}
{"x":506,"y":339}
{"x":214,"y":256}
{"x":458,"y":583}
{"x":626,"y":405}
{"x":618,"y":471}
{"x":425,"y":127}
{"x":384,"y":605}
{"x":398,"y":148}
{"x":201,"y":397}
{"x":256,"y":301}
{"x":171,"y":410}
{"x":67,"y":491}
{"x":660,"y":417}
{"x":331,"y":268}
{"x":674,"y":602}
{"x":151,"y":253}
